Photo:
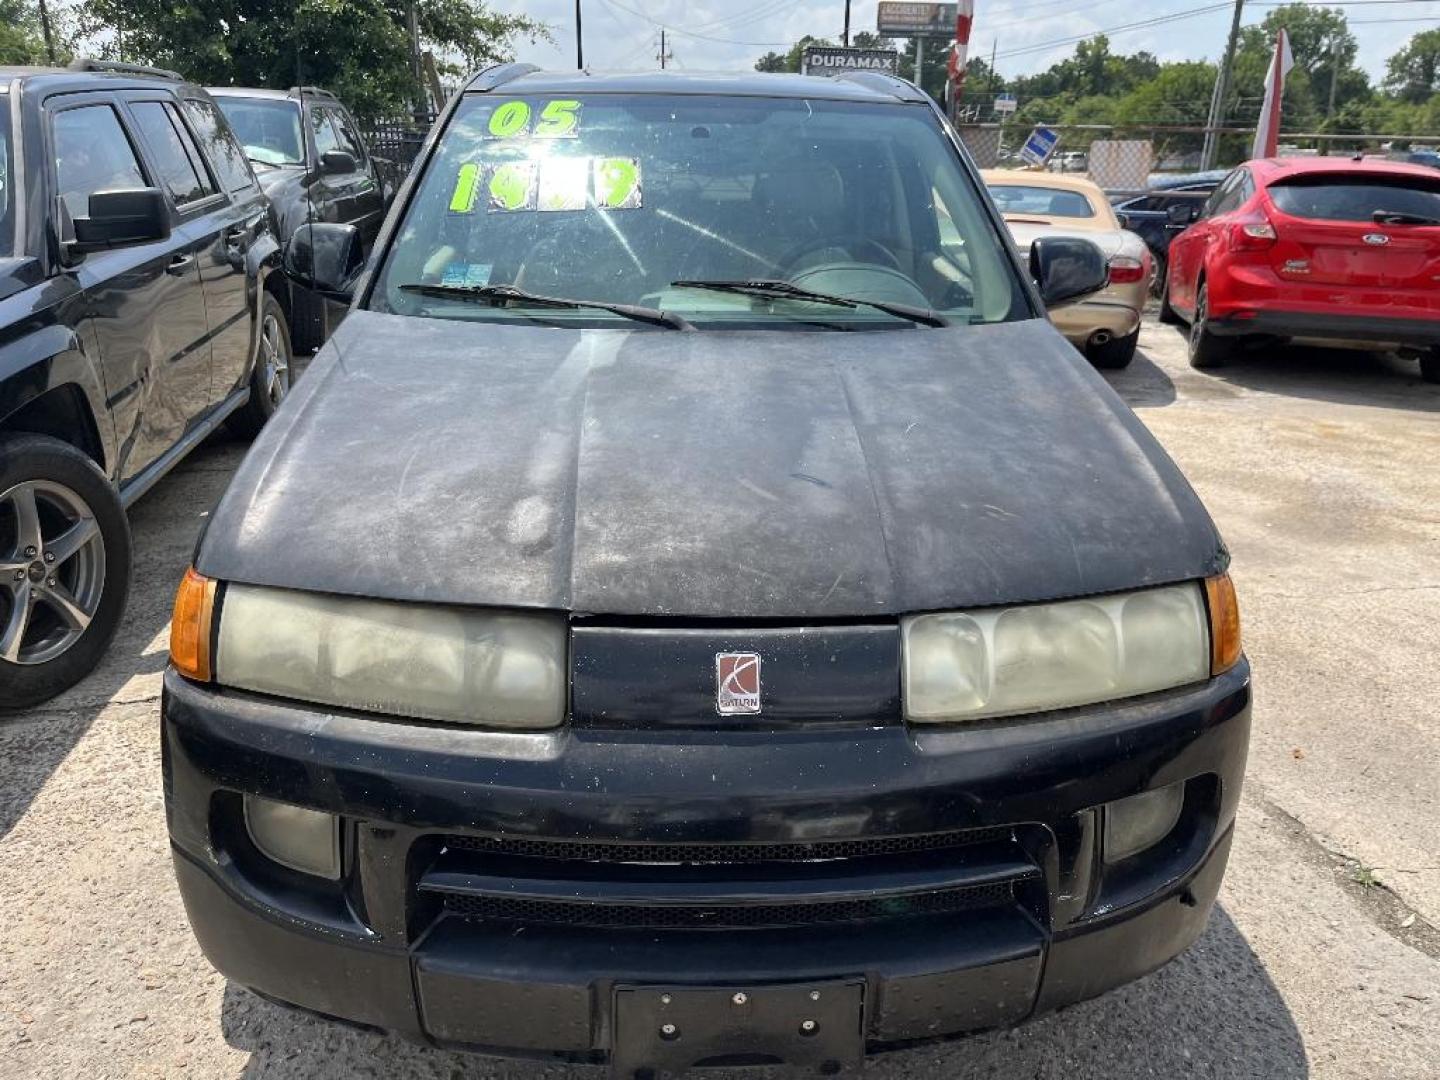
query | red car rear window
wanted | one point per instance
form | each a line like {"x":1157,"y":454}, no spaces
{"x":1337,"y":197}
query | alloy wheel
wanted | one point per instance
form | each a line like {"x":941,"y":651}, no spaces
{"x":274,"y":361}
{"x":52,"y":570}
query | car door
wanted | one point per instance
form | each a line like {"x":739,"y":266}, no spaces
{"x":1188,"y":251}
{"x":329,"y":195}
{"x":364,"y":192}
{"x":241,"y":220}
{"x":144,"y":302}
{"x":200,"y":206}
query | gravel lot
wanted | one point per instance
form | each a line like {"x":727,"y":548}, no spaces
{"x":1321,"y":470}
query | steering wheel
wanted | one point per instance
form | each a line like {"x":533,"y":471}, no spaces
{"x":851,"y":245}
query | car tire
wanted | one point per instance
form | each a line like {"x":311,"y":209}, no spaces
{"x":1115,"y":353}
{"x":1205,"y":348}
{"x":1168,"y":315}
{"x":1430,"y":366}
{"x":1158,"y":270}
{"x":73,"y":603}
{"x":274,"y":367}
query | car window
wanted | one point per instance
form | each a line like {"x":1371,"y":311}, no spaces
{"x":1335,"y":197}
{"x":345,"y":132}
{"x":268,"y":128}
{"x":8,"y":239}
{"x":224,"y":152}
{"x":175,"y":153}
{"x":323,"y":129}
{"x":92,"y":153}
{"x":616,"y":197}
{"x":1048,"y":202}
{"x":1227,"y":196}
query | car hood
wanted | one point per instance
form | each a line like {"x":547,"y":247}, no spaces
{"x":713,"y":474}
{"x":274,"y":177}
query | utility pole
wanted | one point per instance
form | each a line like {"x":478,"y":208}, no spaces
{"x":412,"y":26}
{"x":579,"y":39}
{"x":1334,"y":75}
{"x":1222,"y":91}
{"x":994,"y":79}
{"x":845,"y":37}
{"x":50,"y":42}
{"x":919,"y":60}
{"x":665,"y":55}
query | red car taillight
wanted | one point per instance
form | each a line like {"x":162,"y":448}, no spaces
{"x":1124,"y":270}
{"x":1252,"y":234}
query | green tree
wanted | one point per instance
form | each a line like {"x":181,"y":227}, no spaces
{"x":1324,"y":51}
{"x":20,"y":38}
{"x":1414,"y":71}
{"x":358,"y":48}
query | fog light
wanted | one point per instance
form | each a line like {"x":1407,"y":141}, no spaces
{"x":1136,"y":823}
{"x":304,"y":840}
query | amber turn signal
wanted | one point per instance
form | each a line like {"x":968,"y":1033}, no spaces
{"x":1224,"y":623}
{"x":190,"y":626}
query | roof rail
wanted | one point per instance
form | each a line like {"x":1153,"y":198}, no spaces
{"x":317,"y":91}
{"x":85,"y":63}
{"x":498,"y":75}
{"x":880,"y":80}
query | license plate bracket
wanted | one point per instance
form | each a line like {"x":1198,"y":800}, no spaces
{"x":660,"y":1029}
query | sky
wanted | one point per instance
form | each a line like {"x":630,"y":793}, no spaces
{"x":727,"y":35}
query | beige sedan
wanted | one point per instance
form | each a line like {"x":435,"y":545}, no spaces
{"x":1105,"y":325}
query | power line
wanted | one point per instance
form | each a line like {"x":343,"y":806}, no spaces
{"x":702,"y":37}
{"x":1121,"y":29}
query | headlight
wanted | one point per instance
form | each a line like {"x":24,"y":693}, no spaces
{"x":965,"y":665}
{"x":497,"y":669}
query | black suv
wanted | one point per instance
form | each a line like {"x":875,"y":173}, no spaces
{"x":698,"y":607}
{"x":313,"y":164}
{"x":136,"y":314}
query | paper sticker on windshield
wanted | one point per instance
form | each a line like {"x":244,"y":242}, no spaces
{"x":467,"y":274}
{"x":558,"y":119}
{"x":467,"y":186}
{"x":564,"y":183}
{"x":617,"y":183}
{"x":510,"y":118}
{"x":513,"y":186}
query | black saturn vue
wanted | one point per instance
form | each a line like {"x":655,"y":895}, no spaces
{"x":697,"y":608}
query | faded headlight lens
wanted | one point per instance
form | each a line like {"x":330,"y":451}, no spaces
{"x":495,"y":669}
{"x":1002,"y":661}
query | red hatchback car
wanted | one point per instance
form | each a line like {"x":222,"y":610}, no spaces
{"x":1334,"y":252}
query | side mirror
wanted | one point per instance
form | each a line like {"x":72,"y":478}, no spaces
{"x":1124,"y":219}
{"x":337,"y":163}
{"x":120,"y":218}
{"x":326,"y":258}
{"x":1182,"y":215}
{"x":1066,"y":268}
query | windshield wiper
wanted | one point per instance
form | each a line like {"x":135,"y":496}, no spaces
{"x":1399,"y":217}
{"x":774,"y":289}
{"x":499,"y":295}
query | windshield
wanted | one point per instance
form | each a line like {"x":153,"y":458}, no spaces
{"x":617,"y":198}
{"x":8,"y":184}
{"x":268,"y":128}
{"x":1048,"y":202}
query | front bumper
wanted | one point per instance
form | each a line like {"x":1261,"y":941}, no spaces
{"x":483,"y":904}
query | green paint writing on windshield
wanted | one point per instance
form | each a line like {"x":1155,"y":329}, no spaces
{"x":467,"y":184}
{"x":511,"y":118}
{"x":617,"y":183}
{"x":512,"y":186}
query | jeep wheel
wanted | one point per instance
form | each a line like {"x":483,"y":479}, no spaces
{"x":274,"y":368}
{"x":64,"y":567}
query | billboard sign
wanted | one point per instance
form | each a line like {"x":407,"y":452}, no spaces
{"x":916,"y":20}
{"x":822,"y":60}
{"x":1040,"y":145}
